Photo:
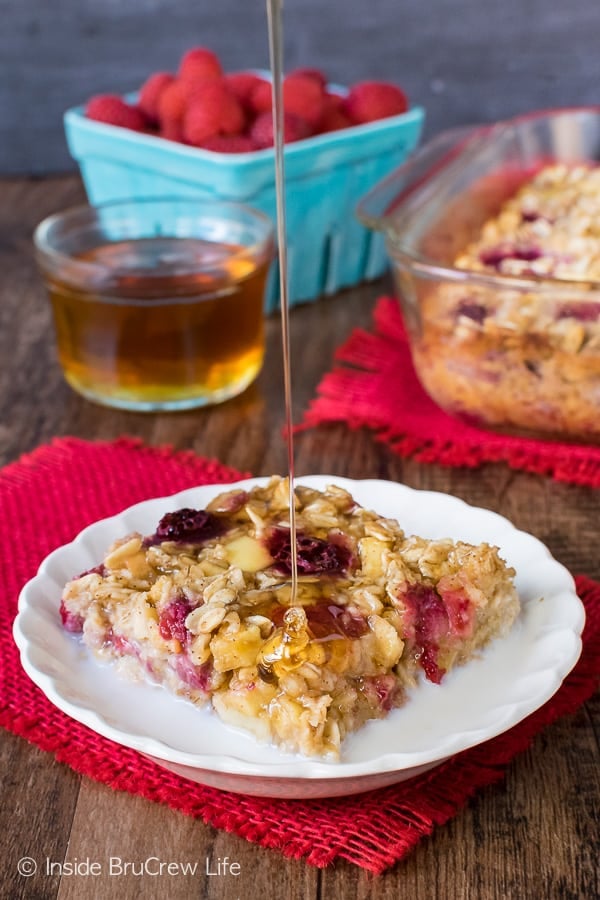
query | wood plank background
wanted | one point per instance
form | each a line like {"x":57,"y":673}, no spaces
{"x":464,"y":60}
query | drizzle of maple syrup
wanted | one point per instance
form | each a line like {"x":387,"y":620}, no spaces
{"x":317,"y":632}
{"x":303,"y":630}
{"x":275,"y":26}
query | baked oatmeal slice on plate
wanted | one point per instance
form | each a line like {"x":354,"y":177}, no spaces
{"x":202,"y":606}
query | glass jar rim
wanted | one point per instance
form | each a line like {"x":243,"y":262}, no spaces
{"x":87,"y":213}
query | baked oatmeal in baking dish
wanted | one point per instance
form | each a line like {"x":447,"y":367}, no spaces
{"x":202,"y":606}
{"x":507,"y":355}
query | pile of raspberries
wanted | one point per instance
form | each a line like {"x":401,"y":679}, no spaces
{"x":202,"y":106}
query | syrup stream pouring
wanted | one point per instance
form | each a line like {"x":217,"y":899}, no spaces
{"x":275,"y":24}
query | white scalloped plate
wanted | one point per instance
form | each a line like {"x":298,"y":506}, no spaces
{"x":513,"y":677}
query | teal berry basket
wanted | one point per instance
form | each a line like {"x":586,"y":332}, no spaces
{"x":326,"y":176}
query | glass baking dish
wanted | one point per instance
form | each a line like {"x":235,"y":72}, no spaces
{"x":498,"y":339}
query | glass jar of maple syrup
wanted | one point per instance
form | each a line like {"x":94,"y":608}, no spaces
{"x":158,"y":303}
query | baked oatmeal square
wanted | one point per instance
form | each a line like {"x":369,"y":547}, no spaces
{"x":203,"y":606}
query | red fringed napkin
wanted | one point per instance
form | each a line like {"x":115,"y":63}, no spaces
{"x":46,"y":498}
{"x":374,"y":385}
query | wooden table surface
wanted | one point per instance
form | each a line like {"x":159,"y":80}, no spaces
{"x":534,"y":835}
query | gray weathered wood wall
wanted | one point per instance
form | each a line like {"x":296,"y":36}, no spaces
{"x":464,"y":60}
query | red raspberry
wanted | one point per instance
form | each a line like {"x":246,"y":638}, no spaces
{"x":313,"y":555}
{"x":172,"y":131}
{"x":198,"y":678}
{"x":200,"y":123}
{"x":200,"y":63}
{"x":150,"y":94}
{"x":261,"y":99}
{"x":294,"y":129}
{"x":582,"y":310}
{"x":372,"y":100}
{"x":113,"y":110}
{"x":178,"y":97}
{"x":171,"y":621}
{"x":216,"y":111}
{"x":334,"y":117}
{"x":228,"y":143}
{"x":326,"y":619}
{"x":315,"y":74}
{"x":303,"y":97}
{"x":191,"y":526}
{"x":193,"y":88}
{"x":243,"y":83}
{"x":172,"y":103}
{"x":72,"y":622}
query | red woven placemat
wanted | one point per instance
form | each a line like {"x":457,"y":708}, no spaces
{"x":46,"y":498}
{"x":373,"y":384}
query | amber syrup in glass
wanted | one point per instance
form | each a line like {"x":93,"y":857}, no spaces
{"x":164,"y":322}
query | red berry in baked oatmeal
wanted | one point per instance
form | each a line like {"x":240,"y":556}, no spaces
{"x":583,"y":311}
{"x":196,"y":677}
{"x":72,"y":622}
{"x":314,"y":555}
{"x":188,"y":526}
{"x":326,"y":620}
{"x":171,"y":621}
{"x":383,"y":690}
{"x":426,"y":623}
{"x":495,"y":256}
{"x":475,"y":311}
